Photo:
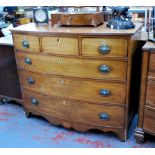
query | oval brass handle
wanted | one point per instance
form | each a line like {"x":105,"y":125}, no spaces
{"x":104,"y":48}
{"x":30,"y":80}
{"x":34,"y":101}
{"x":104,"y":69}
{"x":25,"y":44}
{"x":105,"y":92}
{"x":28,"y":61}
{"x":104,"y":116}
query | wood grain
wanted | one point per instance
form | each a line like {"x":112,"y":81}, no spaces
{"x":86,"y":90}
{"x":150,"y":93}
{"x":83,"y":68}
{"x":75,"y":111}
{"x":149,"y":117}
{"x":60,"y":45}
{"x":118,"y":46}
{"x":34,"y":45}
{"x":152,"y":63}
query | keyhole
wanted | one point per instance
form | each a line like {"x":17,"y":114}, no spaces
{"x":58,"y":40}
{"x":60,"y":60}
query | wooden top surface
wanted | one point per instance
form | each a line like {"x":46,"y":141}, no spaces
{"x":56,"y":29}
{"x":149,"y":46}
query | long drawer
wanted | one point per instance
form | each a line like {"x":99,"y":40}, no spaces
{"x":76,"y":67}
{"x":150,"y":97}
{"x":98,"y":115}
{"x":149,"y":117}
{"x":26,"y":43}
{"x":104,"y":47}
{"x":86,"y":90}
{"x":60,"y":45}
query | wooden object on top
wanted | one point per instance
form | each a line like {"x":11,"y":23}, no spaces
{"x":146,"y":123}
{"x":79,"y":77}
{"x":77,"y":19}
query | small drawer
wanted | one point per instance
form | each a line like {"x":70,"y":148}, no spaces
{"x":84,"y":68}
{"x":150,"y":97}
{"x":60,"y":45}
{"x":75,"y":111}
{"x":152,"y":63}
{"x":26,"y":43}
{"x":149,"y":119}
{"x":104,"y":47}
{"x":86,"y":90}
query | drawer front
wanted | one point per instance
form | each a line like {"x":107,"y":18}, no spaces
{"x":106,"y":47}
{"x":87,"y":90}
{"x":152,"y":63}
{"x":150,"y":97}
{"x":26,"y":43}
{"x":75,"y":111}
{"x":149,"y":117}
{"x":60,"y":45}
{"x":97,"y":69}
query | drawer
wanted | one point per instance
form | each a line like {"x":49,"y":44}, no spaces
{"x":87,"y":90}
{"x":106,"y":47}
{"x":149,"y":119}
{"x":84,"y":68}
{"x":60,"y":45}
{"x":150,"y":97}
{"x":76,"y":111}
{"x":26,"y":43}
{"x":152,"y":62}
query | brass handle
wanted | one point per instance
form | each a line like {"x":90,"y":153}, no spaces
{"x":104,"y":116}
{"x":25,"y":44}
{"x":30,"y":80}
{"x":104,"y":48}
{"x":105,"y":92}
{"x":34,"y":101}
{"x":28,"y":61}
{"x":104,"y":69}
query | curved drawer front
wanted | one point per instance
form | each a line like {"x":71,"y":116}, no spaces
{"x":60,"y":45}
{"x":26,"y":43}
{"x":106,"y":47}
{"x":84,"y":68}
{"x":87,"y":90}
{"x":81,"y":112}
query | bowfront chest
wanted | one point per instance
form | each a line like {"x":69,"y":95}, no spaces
{"x":146,"y":123}
{"x":77,"y":77}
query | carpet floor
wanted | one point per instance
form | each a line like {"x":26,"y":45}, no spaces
{"x":16,"y":131}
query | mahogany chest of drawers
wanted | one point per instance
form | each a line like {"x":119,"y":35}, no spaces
{"x":146,"y":123}
{"x":77,"y":77}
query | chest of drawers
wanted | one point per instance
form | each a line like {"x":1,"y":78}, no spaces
{"x":77,"y":77}
{"x":146,"y":123}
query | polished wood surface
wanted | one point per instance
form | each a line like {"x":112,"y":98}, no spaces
{"x":68,"y":69}
{"x":152,"y":62}
{"x":86,"y":90}
{"x":118,"y":47}
{"x":60,"y":45}
{"x":147,"y":101}
{"x":77,"y":19}
{"x":9,"y":81}
{"x":75,"y":111}
{"x":149,"y":117}
{"x":83,"y":68}
{"x":57,"y":30}
{"x":32,"y":40}
{"x":150,"y":95}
